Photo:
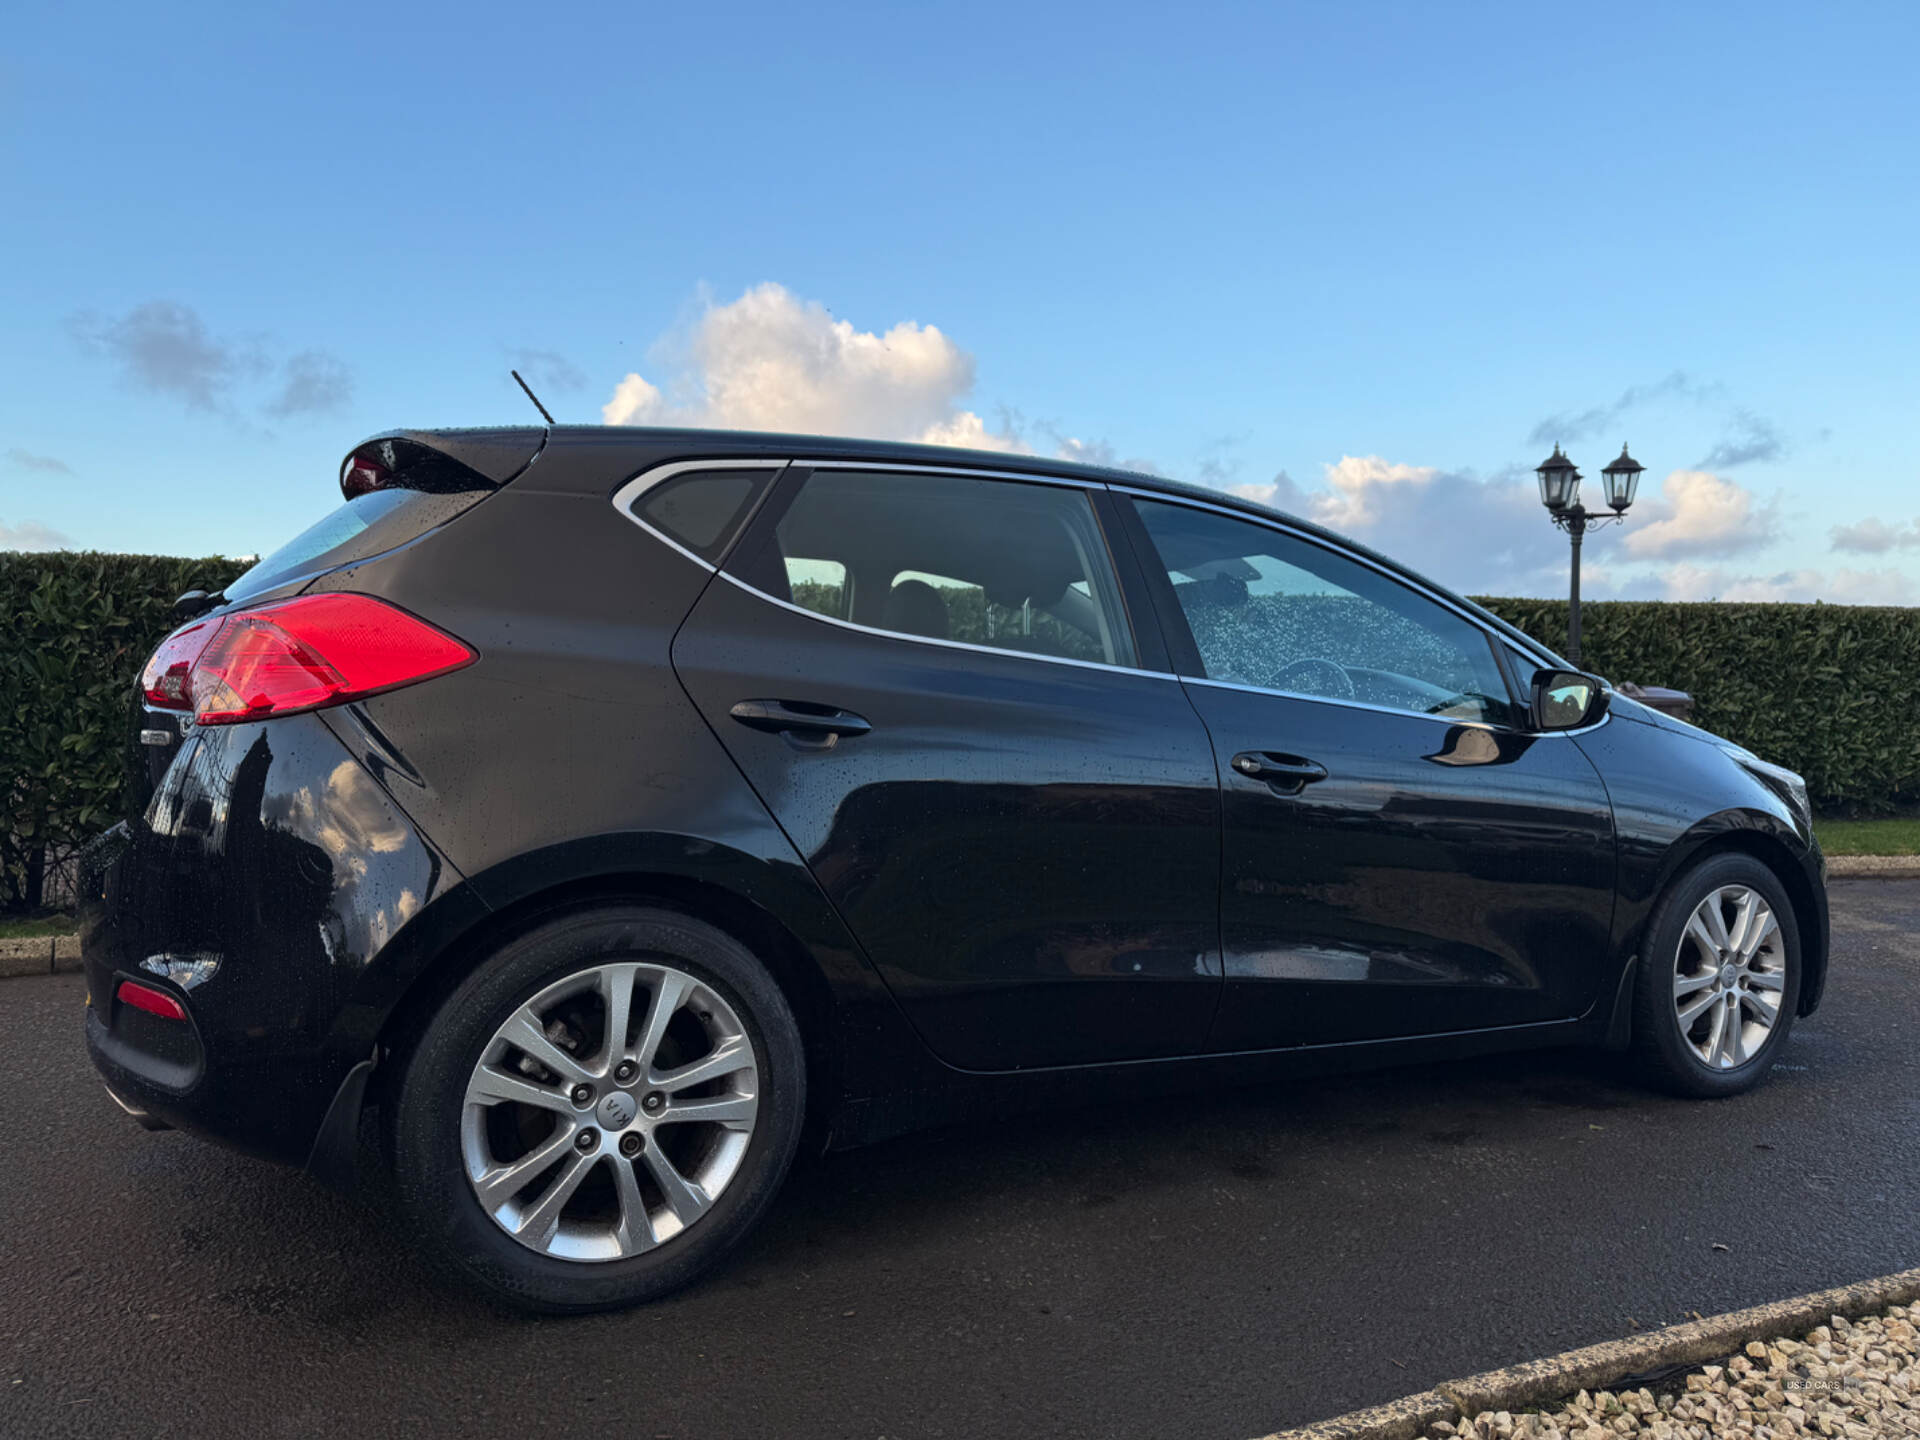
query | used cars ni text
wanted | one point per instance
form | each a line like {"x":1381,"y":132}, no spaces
{"x":615,"y":811}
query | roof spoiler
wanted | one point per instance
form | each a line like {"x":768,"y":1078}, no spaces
{"x":441,"y":461}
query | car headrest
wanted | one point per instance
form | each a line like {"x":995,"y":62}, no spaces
{"x":915,"y":608}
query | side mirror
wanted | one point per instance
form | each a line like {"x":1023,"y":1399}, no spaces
{"x":1566,"y":699}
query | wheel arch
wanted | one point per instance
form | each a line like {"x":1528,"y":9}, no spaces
{"x":1775,"y":845}
{"x":1809,"y":911}
{"x":764,"y":906}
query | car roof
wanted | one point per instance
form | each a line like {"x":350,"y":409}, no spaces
{"x":629,"y":448}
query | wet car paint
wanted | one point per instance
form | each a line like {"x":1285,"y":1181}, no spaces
{"x":349,"y":866}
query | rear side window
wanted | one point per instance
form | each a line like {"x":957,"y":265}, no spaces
{"x":995,"y":563}
{"x":820,"y":586}
{"x":699,"y":510}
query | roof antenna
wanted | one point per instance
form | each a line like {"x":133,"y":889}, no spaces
{"x":533,"y":397}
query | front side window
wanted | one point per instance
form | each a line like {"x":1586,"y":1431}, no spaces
{"x":1278,"y":612}
{"x":998,"y":563}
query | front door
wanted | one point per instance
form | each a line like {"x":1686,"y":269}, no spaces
{"x":1400,"y":856}
{"x":932,"y":682}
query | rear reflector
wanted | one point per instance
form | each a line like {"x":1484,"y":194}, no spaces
{"x":300,"y":654}
{"x":154,"y":1002}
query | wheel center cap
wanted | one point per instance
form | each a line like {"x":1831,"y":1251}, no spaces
{"x":1729,"y":973}
{"x":617,"y":1110}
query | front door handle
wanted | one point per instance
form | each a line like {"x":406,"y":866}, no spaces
{"x":1288,"y":774}
{"x":820,"y":726}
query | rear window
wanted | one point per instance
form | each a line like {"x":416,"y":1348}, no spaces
{"x":365,"y":525}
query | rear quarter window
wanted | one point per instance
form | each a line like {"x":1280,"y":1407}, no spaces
{"x":701,"y":509}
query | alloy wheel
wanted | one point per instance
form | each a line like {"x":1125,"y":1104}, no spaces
{"x":1729,"y":976}
{"x":610,"y":1112}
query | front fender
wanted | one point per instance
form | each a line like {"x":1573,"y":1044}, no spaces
{"x":1677,"y":797}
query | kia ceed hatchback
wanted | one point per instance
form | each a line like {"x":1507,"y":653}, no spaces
{"x":612,"y":812}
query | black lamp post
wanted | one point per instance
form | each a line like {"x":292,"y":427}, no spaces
{"x":1560,"y":493}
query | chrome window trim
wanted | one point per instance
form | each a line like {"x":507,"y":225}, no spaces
{"x":1447,"y":720}
{"x":923,"y":468}
{"x":945,"y":644}
{"x":632,"y":490}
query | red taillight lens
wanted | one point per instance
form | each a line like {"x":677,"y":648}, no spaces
{"x":164,"y":681}
{"x":300,"y":654}
{"x":154,"y":1002}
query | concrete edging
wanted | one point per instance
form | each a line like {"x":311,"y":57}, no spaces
{"x":1599,"y":1366}
{"x":39,"y":955}
{"x":1874,"y":867}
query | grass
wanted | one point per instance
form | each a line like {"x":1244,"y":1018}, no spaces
{"x":1869,"y":837}
{"x":40,"y":925}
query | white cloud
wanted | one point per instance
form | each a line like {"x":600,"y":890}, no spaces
{"x":31,"y":535}
{"x":1686,"y":581}
{"x":550,"y":369}
{"x":1491,"y":537}
{"x":45,"y":464}
{"x":771,"y":361}
{"x":1486,"y":536}
{"x":316,"y":383}
{"x":166,"y":348}
{"x":1874,"y":536}
{"x":1701,"y":513}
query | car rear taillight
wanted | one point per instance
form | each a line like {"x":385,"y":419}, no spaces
{"x":164,"y":681}
{"x":300,"y":654}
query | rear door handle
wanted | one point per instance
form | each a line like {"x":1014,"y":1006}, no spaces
{"x":800,"y":720}
{"x":1288,"y":774}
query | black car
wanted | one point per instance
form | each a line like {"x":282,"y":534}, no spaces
{"x":617,"y":811}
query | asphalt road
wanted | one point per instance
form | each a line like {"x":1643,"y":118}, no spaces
{"x":1215,"y":1266}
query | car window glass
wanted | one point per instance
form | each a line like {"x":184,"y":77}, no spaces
{"x":1011,"y":566}
{"x":1275,"y":611}
{"x":820,"y":586}
{"x":700,"y":509}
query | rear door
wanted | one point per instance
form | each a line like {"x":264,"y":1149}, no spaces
{"x":933,"y":681}
{"x":1400,"y":856}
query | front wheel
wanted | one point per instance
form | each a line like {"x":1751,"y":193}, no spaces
{"x":1719,"y":979}
{"x":600,"y":1111}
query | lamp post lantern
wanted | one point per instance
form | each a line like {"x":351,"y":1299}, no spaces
{"x":1560,"y":493}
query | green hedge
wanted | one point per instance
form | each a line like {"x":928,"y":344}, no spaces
{"x":77,"y":628}
{"x":1832,"y":691}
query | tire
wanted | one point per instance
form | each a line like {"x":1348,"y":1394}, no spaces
{"x":463,"y":1120}
{"x":1704,"y":1057}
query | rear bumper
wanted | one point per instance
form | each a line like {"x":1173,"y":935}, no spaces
{"x":273,"y":1112}
{"x":265,"y":888}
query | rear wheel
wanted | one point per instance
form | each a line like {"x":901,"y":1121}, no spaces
{"x":600,"y":1111}
{"x":1719,"y":979}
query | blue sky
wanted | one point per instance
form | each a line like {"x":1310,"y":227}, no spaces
{"x":1369,"y":260}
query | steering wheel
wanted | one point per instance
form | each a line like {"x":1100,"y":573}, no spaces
{"x":1341,"y":682}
